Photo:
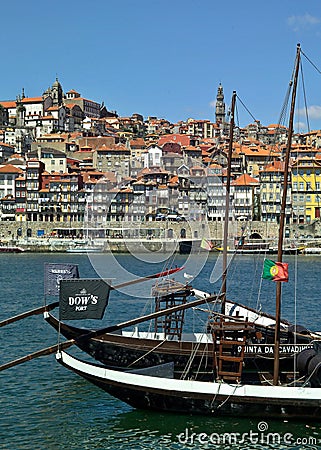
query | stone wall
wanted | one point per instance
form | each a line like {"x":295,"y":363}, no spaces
{"x":188,"y":230}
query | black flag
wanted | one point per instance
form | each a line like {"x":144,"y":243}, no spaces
{"x":54,"y":273}
{"x":83,"y":299}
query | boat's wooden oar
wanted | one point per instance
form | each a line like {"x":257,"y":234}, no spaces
{"x":110,"y":329}
{"x":51,"y":306}
{"x":32,"y":312}
{"x":43,"y":352}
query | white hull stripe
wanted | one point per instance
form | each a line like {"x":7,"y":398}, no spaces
{"x":197,"y":387}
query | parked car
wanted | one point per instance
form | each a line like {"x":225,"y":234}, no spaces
{"x":160,"y":217}
{"x":175,"y":217}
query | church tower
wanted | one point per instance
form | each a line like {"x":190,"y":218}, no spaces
{"x":20,"y":111}
{"x":57,"y":93}
{"x":220,"y":106}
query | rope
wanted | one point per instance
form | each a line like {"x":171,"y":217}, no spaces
{"x":312,"y":64}
{"x":228,"y":397}
{"x":305,"y":98}
{"x":145,"y":354}
{"x":246,"y":108}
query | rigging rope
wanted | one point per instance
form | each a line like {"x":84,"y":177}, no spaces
{"x":305,"y":98}
{"x":312,"y":64}
{"x":249,"y":112}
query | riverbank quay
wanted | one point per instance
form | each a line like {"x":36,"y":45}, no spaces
{"x":163,"y":236}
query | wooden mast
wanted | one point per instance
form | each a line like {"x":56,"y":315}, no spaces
{"x":282,"y":221}
{"x":227,"y":203}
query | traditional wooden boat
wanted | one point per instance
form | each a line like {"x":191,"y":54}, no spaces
{"x":84,"y":247}
{"x":11,"y":249}
{"x":139,"y":349}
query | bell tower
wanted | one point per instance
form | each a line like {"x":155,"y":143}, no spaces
{"x":220,"y":106}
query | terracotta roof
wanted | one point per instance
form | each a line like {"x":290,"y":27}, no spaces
{"x":139,"y":182}
{"x":48,"y":118}
{"x":215,"y":166}
{"x":192,"y":148}
{"x":174,"y":179}
{"x":245,"y":180}
{"x":113,"y":148}
{"x":3,"y":144}
{"x":9,"y":104}
{"x":9,"y":168}
{"x":139,"y":142}
{"x":276,"y":125}
{"x":275,"y":166}
{"x":32,"y":100}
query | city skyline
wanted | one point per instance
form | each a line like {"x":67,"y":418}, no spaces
{"x":165,"y":59}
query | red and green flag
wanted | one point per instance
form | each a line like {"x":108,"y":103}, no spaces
{"x":275,"y":271}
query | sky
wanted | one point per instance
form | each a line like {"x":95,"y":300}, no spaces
{"x":166,"y":58}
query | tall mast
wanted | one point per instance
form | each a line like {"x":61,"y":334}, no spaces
{"x":227,"y":202}
{"x":282,"y":220}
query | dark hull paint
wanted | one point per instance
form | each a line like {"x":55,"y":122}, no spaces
{"x":121,"y":352}
{"x":205,"y":404}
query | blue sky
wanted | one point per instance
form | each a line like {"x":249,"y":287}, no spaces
{"x":164,"y":58}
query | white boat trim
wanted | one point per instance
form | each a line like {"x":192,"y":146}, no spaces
{"x":190,"y":386}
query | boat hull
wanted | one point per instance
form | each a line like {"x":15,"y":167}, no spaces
{"x":197,"y":397}
{"x":195,"y":351}
{"x":8,"y":249}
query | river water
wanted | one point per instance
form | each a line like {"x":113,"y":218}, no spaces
{"x":44,"y":406}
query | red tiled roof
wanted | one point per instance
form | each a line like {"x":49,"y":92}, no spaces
{"x":10,"y":104}
{"x":9,"y":168}
{"x":32,"y":100}
{"x":275,"y":166}
{"x":245,"y":180}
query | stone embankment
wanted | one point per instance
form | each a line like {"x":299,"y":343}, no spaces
{"x":146,"y":236}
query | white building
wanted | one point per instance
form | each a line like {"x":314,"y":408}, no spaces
{"x":152,"y":157}
{"x":8,"y":174}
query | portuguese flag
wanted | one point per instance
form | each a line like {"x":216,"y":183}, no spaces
{"x":275,"y":271}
